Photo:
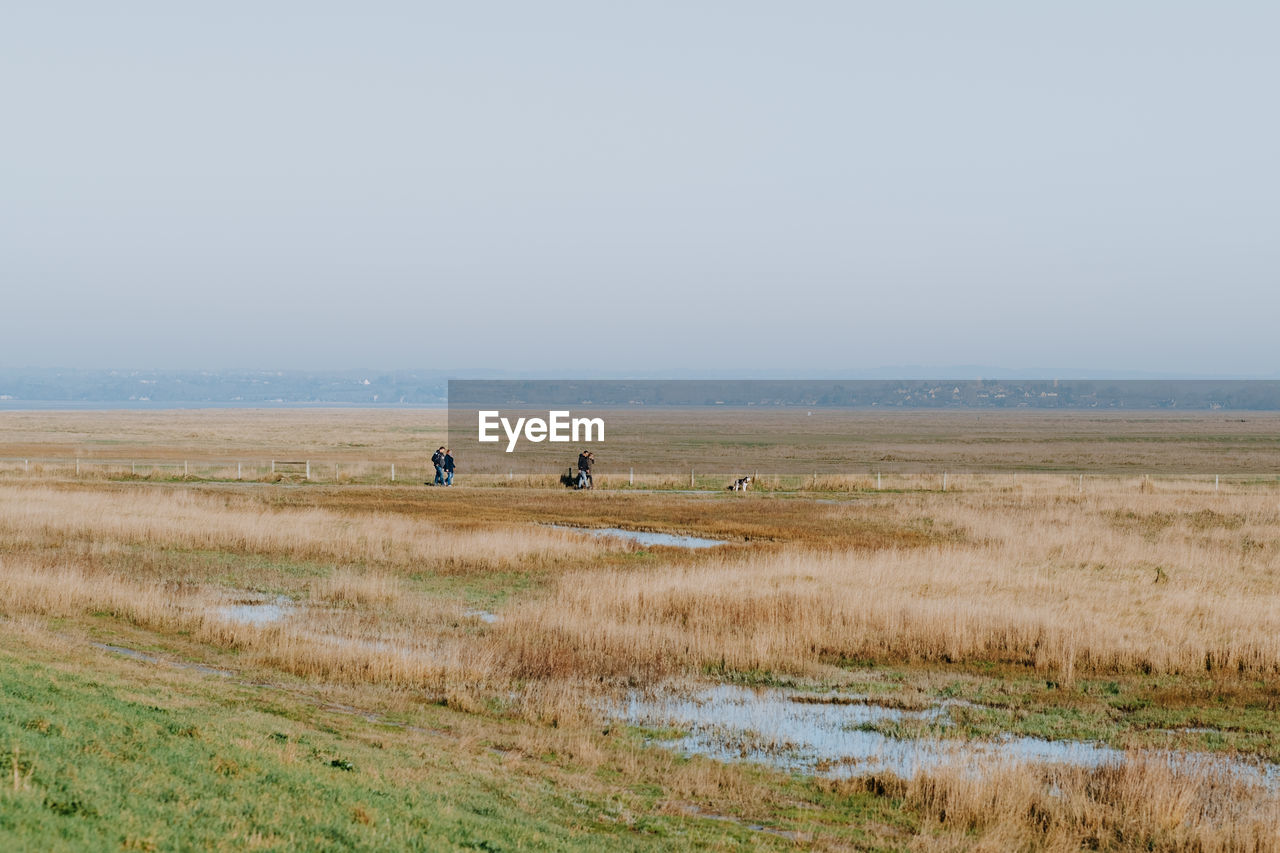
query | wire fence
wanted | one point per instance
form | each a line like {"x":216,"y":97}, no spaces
{"x":412,"y":473}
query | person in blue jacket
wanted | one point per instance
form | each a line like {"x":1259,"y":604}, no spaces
{"x":448,"y":466}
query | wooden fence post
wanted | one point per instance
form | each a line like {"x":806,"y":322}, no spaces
{"x":393,"y":472}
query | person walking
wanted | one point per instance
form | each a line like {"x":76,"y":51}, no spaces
{"x":437,"y":459}
{"x":591,"y":461}
{"x":584,"y":469}
{"x":448,"y":466}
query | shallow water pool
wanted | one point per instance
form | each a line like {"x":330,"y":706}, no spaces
{"x":826,"y":735}
{"x":645,"y":537}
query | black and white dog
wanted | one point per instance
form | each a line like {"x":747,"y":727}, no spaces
{"x":741,"y":484}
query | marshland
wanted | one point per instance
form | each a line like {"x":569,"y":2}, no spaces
{"x":921,"y":631}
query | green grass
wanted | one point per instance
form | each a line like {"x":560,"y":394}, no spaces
{"x":106,"y":766}
{"x":111,"y":754}
{"x":489,"y":591}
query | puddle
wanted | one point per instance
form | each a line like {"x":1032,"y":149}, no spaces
{"x":644,"y":537}
{"x":146,"y":658}
{"x":821,"y":736}
{"x":483,"y":615}
{"x":731,"y":723}
{"x":256,"y":613}
{"x":693,"y":810}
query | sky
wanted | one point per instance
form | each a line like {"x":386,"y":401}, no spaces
{"x":642,"y":187}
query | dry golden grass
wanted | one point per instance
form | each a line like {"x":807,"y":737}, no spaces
{"x":1112,"y":575}
{"x":1036,"y":575}
{"x":793,"y":442}
{"x":667,"y":443}
{"x":346,"y":587}
{"x":70,"y":553}
{"x":332,"y":646}
{"x":251,"y":434}
{"x":1121,"y":582}
{"x":1144,"y":803}
{"x":186,"y":519}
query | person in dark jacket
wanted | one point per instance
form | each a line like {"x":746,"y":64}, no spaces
{"x":584,"y":469}
{"x":448,"y":466}
{"x":590,"y":461}
{"x":437,"y":459}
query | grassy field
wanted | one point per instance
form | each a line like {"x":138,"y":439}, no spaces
{"x":336,"y":665}
{"x":671,"y":442}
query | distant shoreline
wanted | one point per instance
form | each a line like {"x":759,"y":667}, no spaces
{"x":196,"y":405}
{"x":165,"y":405}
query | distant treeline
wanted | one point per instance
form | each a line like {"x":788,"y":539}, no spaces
{"x":1206,"y":394}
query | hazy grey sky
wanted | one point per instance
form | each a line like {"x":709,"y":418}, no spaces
{"x":641,"y":186}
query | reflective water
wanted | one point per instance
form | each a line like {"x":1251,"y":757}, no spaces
{"x":645,"y":537}
{"x":256,"y":613}
{"x":146,"y":658}
{"x":828,"y":736}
